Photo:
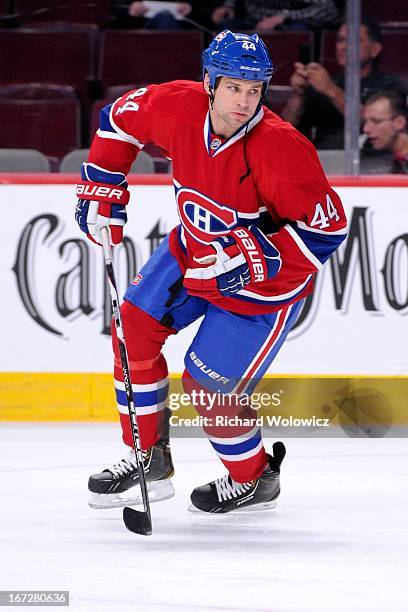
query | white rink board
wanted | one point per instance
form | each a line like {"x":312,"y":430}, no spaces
{"x":357,"y":336}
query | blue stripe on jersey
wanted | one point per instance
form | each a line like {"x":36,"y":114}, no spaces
{"x":91,"y":172}
{"x":104,"y":119}
{"x":237,"y":449}
{"x":144,"y":398}
{"x":321,"y":245}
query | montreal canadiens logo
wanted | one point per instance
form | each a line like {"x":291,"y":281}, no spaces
{"x":137,"y":279}
{"x":203,"y":218}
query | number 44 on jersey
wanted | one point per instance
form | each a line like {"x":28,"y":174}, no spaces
{"x":320,"y":218}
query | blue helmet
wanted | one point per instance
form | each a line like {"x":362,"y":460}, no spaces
{"x":240,"y":56}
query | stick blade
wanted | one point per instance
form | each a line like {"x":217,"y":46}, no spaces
{"x":137,"y":522}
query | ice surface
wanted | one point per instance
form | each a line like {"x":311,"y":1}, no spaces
{"x":337,"y":540}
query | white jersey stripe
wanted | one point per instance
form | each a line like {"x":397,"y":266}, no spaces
{"x":306,"y":252}
{"x":307,"y":228}
{"x":247,"y":127}
{"x":143,"y":410}
{"x":275,"y":298}
{"x":114,"y":136}
{"x":120,"y":385}
{"x":124,"y":136}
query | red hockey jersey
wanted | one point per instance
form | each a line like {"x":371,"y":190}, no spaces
{"x":267,"y":174}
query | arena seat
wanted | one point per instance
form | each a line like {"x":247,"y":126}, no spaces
{"x":23,"y":160}
{"x":389,"y":11}
{"x":50,"y":126}
{"x":147,"y":56}
{"x":7,"y":18}
{"x":277,"y":96}
{"x":73,"y":161}
{"x":115,"y":91}
{"x":37,"y":91}
{"x":162,"y":164}
{"x":95,"y":110}
{"x":61,"y":55}
{"x":333,"y":161}
{"x":393,"y":56}
{"x":285,"y":49}
{"x":328,"y":52}
{"x":75,"y":11}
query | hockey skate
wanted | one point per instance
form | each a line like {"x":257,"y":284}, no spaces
{"x":116,"y":485}
{"x":225,"y":495}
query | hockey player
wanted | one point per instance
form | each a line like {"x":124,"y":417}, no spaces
{"x":258,"y":220}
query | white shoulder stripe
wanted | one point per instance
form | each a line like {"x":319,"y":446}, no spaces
{"x":124,"y":136}
{"x":109,"y":135}
{"x":303,"y":226}
{"x":114,"y":136}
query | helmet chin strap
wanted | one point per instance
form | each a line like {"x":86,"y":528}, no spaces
{"x":211,"y":95}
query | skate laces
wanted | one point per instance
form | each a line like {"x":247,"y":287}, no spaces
{"x":125,"y":465}
{"x":228,"y":488}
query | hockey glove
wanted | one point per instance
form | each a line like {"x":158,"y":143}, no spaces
{"x":230,"y":262}
{"x":103,"y":196}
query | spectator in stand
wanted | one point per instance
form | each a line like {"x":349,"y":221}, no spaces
{"x":130,"y":14}
{"x":316,"y":107}
{"x":267,"y":15}
{"x":385,"y":122}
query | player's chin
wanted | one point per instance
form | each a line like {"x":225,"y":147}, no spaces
{"x":239,"y":118}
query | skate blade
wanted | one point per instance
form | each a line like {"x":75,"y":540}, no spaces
{"x":242,"y":510}
{"x":158,"y":491}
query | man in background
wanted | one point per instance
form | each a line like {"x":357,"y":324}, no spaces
{"x":317,"y":105}
{"x":385,"y":120}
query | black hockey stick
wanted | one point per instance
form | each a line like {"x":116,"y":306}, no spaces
{"x":136,"y":521}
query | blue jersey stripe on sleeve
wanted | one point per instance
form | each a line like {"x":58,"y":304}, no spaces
{"x":104,"y":119}
{"x":321,"y":245}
